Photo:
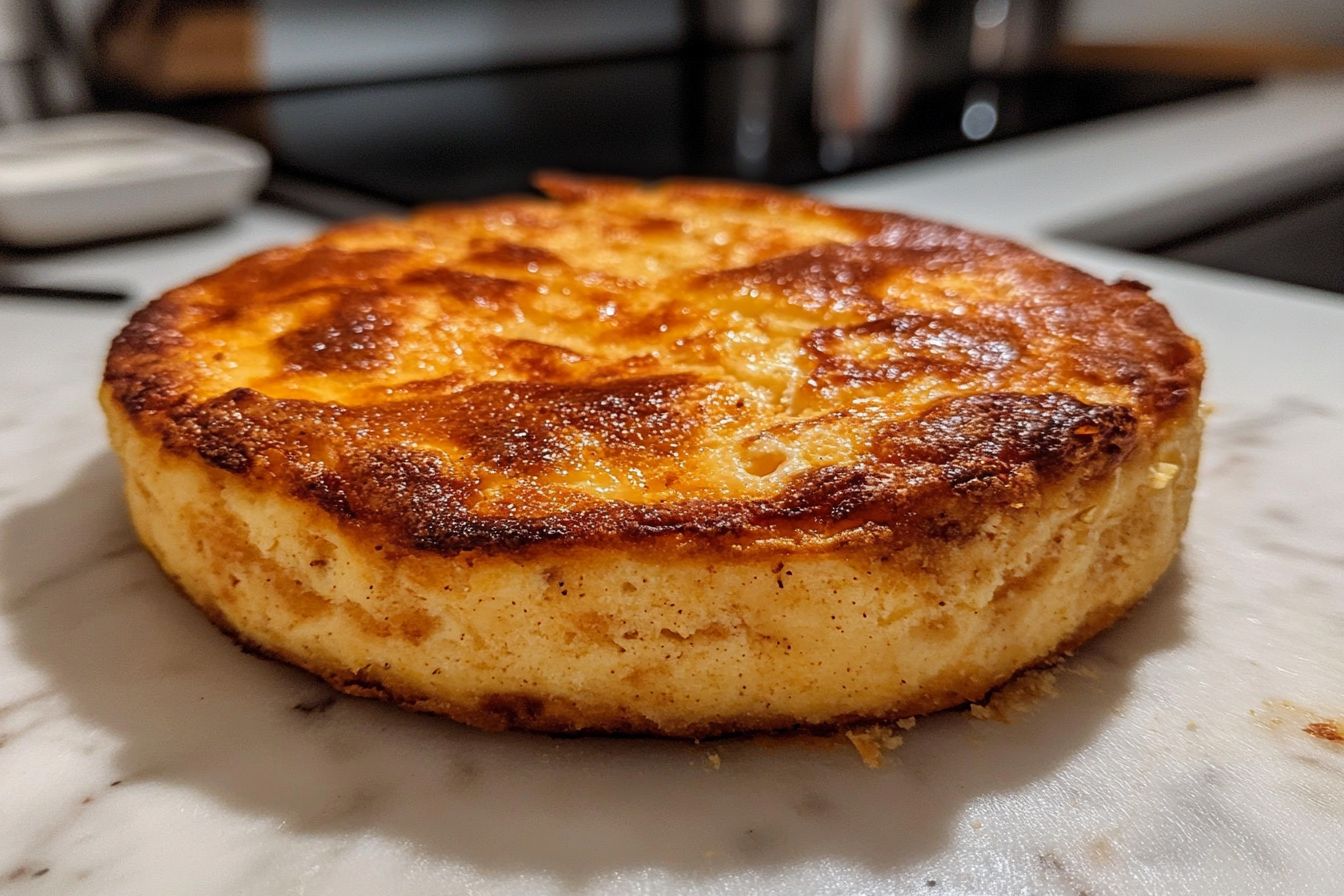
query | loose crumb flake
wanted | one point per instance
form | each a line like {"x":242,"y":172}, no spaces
{"x":1331,"y":730}
{"x":872,"y":742}
{"x":1327,"y":727}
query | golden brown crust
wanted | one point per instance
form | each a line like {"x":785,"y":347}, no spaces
{"x":585,"y":370}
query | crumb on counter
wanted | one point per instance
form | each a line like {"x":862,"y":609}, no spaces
{"x":1331,"y":730}
{"x":1285,"y":715}
{"x":872,"y":742}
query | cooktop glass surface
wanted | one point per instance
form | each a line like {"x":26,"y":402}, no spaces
{"x":743,"y":114}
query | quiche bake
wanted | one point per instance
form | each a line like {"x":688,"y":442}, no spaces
{"x":682,"y":459}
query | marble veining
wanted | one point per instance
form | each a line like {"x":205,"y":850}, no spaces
{"x":142,"y":752}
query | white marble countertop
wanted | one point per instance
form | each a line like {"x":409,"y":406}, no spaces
{"x":140,"y":752}
{"x":1132,"y":179}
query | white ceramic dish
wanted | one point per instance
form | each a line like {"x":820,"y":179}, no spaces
{"x":108,"y":175}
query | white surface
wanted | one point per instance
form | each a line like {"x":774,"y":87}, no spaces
{"x":1245,"y":21}
{"x":1131,"y":179}
{"x":108,"y":175}
{"x":141,"y":753}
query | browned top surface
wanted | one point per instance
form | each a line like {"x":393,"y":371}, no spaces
{"x":685,"y":360}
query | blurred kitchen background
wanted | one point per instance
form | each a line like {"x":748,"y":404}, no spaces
{"x":373,"y":106}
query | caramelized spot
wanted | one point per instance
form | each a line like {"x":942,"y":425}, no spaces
{"x":823,"y":278}
{"x":303,"y":603}
{"x":847,"y":279}
{"x":512,"y":255}
{"x":357,"y":333}
{"x":995,"y":435}
{"x":530,"y":426}
{"x":277,"y":273}
{"x":651,"y":225}
{"x":909,"y":344}
{"x":494,"y":293}
{"x":407,"y":491}
{"x":415,"y":625}
{"x":503,"y":711}
{"x":367,"y":622}
{"x":140,"y":369}
{"x":537,"y":360}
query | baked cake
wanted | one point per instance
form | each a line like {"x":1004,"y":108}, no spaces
{"x":682,"y":459}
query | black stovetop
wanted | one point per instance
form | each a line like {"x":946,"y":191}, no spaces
{"x":743,"y":115}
